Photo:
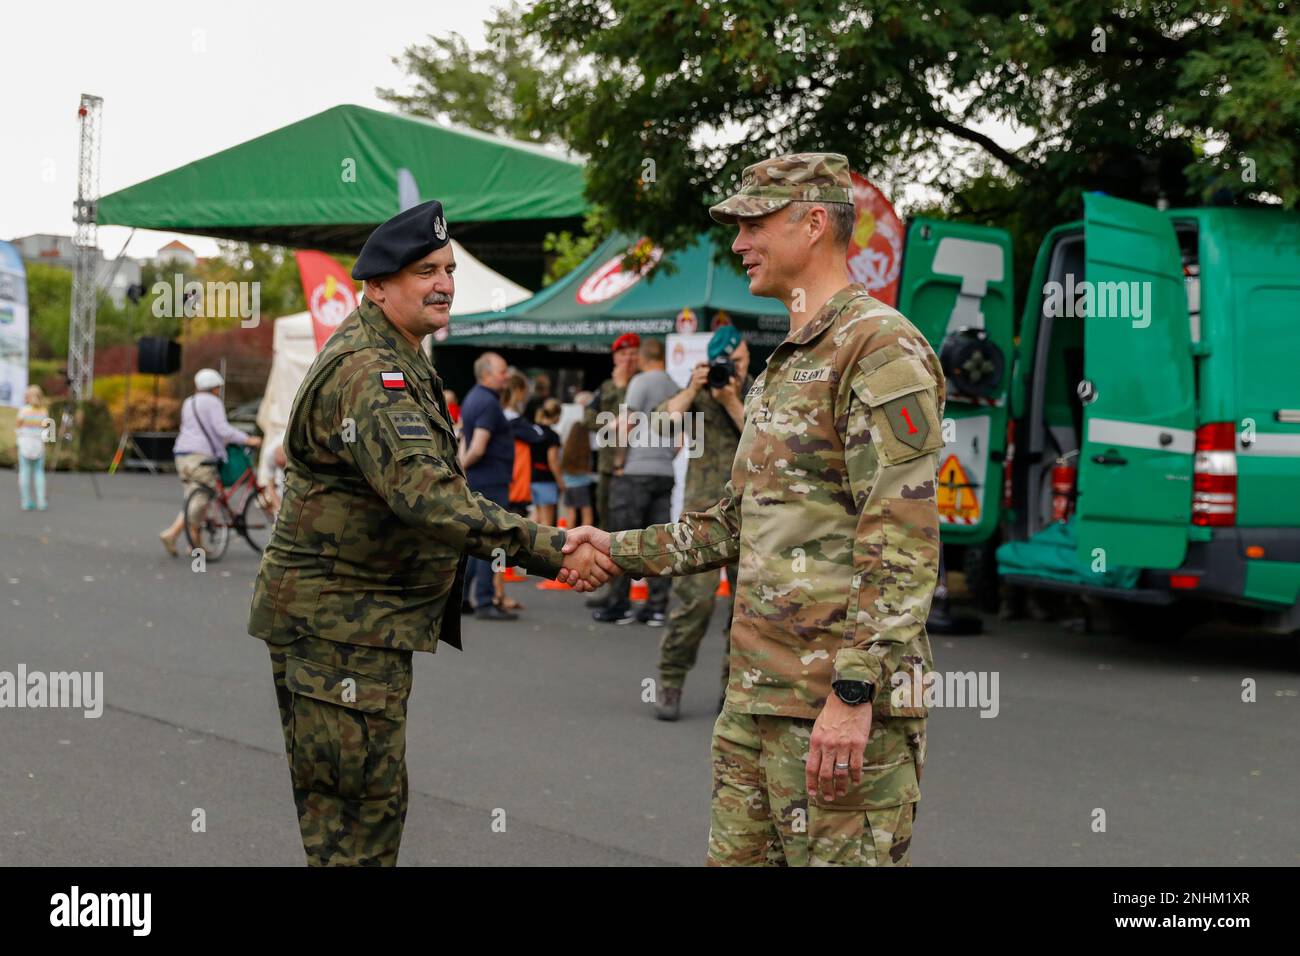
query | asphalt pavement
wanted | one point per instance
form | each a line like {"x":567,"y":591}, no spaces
{"x":1103,"y":751}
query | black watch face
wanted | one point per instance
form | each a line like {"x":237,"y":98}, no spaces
{"x":851,"y":691}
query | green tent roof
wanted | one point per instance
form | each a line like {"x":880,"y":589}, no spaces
{"x":580,"y":312}
{"x":294,"y":187}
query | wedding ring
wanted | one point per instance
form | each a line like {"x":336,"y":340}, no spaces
{"x":841,"y":766}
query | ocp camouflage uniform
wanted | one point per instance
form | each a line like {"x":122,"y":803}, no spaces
{"x":695,"y":594}
{"x":608,"y":398}
{"x":363,"y":568}
{"x":831,"y":509}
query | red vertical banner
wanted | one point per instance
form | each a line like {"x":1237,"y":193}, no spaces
{"x":328,"y":290}
{"x":875,"y":255}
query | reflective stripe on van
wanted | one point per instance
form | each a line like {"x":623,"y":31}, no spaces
{"x":1270,"y":446}
{"x":1113,"y":431}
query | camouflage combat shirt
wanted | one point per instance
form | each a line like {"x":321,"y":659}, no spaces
{"x":608,"y":399}
{"x":831,"y":508}
{"x":377,"y":517}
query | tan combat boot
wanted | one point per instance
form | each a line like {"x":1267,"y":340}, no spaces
{"x":669,"y":704}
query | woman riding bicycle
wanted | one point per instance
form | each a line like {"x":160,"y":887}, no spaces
{"x":204,"y":434}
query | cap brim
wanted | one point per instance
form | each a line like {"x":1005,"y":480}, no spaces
{"x":744,"y":207}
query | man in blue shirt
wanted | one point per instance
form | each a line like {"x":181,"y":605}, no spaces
{"x":488,"y":456}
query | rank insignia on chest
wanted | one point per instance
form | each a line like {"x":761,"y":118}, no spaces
{"x":392,"y":379}
{"x":907,"y":421}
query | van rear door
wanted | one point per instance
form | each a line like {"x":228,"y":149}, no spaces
{"x":1139,"y":418}
{"x":957,"y":289}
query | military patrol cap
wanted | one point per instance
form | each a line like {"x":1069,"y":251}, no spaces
{"x":774,"y":183}
{"x":408,"y":236}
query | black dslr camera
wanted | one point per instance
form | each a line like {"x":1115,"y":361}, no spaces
{"x":721,"y":371}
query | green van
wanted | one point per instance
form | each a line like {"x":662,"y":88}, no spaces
{"x":1148,"y":455}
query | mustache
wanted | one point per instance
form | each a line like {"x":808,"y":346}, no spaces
{"x":437,"y":298}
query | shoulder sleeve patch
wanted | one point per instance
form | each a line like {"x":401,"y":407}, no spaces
{"x":902,"y":396}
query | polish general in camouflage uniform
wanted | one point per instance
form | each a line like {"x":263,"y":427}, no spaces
{"x":363,"y":568}
{"x":831,"y":509}
{"x":694,"y":595}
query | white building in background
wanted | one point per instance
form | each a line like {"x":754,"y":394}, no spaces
{"x":179,"y":255}
{"x":115,"y":277}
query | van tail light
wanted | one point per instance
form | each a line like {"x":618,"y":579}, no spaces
{"x":1214,"y":476}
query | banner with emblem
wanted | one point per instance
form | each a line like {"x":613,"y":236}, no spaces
{"x":329,"y":292}
{"x":13,"y":326}
{"x":875,"y":256}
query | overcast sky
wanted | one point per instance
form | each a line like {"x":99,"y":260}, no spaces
{"x":180,"y":81}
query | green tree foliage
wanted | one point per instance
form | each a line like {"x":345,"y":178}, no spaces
{"x":568,"y":251}
{"x":494,"y":90}
{"x":49,"y":306}
{"x":1007,"y":114}
{"x":273,"y":268}
{"x":1119,"y":97}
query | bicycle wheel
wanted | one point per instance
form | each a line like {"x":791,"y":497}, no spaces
{"x":214,"y":525}
{"x":255,"y":522}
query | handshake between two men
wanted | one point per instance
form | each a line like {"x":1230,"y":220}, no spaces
{"x":587,"y":564}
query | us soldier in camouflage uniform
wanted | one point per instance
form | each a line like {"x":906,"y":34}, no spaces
{"x":706,"y":479}
{"x":365,"y":563}
{"x":831,"y":509}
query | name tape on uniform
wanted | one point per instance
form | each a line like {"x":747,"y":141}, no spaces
{"x":825,"y":374}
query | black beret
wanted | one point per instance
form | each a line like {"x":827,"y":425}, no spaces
{"x":408,"y":236}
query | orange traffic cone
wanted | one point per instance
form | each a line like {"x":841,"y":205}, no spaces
{"x":512,"y":576}
{"x":724,"y":586}
{"x":640,"y":590}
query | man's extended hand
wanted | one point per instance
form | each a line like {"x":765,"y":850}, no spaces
{"x":587,"y":564}
{"x":839,"y":738}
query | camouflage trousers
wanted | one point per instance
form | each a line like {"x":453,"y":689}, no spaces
{"x":762,"y":814}
{"x":692,"y":608}
{"x":343,"y":712}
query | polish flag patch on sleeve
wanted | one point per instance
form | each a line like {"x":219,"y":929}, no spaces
{"x":392,"y":379}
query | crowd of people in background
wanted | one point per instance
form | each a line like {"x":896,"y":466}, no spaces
{"x":521,"y":450}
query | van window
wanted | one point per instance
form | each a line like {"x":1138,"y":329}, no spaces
{"x":1189,"y":249}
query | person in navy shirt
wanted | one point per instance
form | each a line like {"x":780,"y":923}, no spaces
{"x":488,"y":457}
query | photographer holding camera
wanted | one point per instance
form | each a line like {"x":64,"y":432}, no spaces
{"x":716,"y":391}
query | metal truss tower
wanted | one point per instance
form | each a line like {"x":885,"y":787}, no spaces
{"x":81,"y":325}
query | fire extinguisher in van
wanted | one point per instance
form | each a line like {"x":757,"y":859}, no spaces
{"x":1064,"y":476}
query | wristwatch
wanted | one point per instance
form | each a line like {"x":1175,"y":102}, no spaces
{"x":854,"y":692}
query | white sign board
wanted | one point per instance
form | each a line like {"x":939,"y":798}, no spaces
{"x":681,"y":354}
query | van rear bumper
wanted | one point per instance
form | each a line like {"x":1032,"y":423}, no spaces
{"x":1220,"y":564}
{"x":1220,"y":568}
{"x":1223,"y":576}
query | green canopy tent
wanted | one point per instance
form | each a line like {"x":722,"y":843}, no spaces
{"x":326,"y":181}
{"x":601,"y":299}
